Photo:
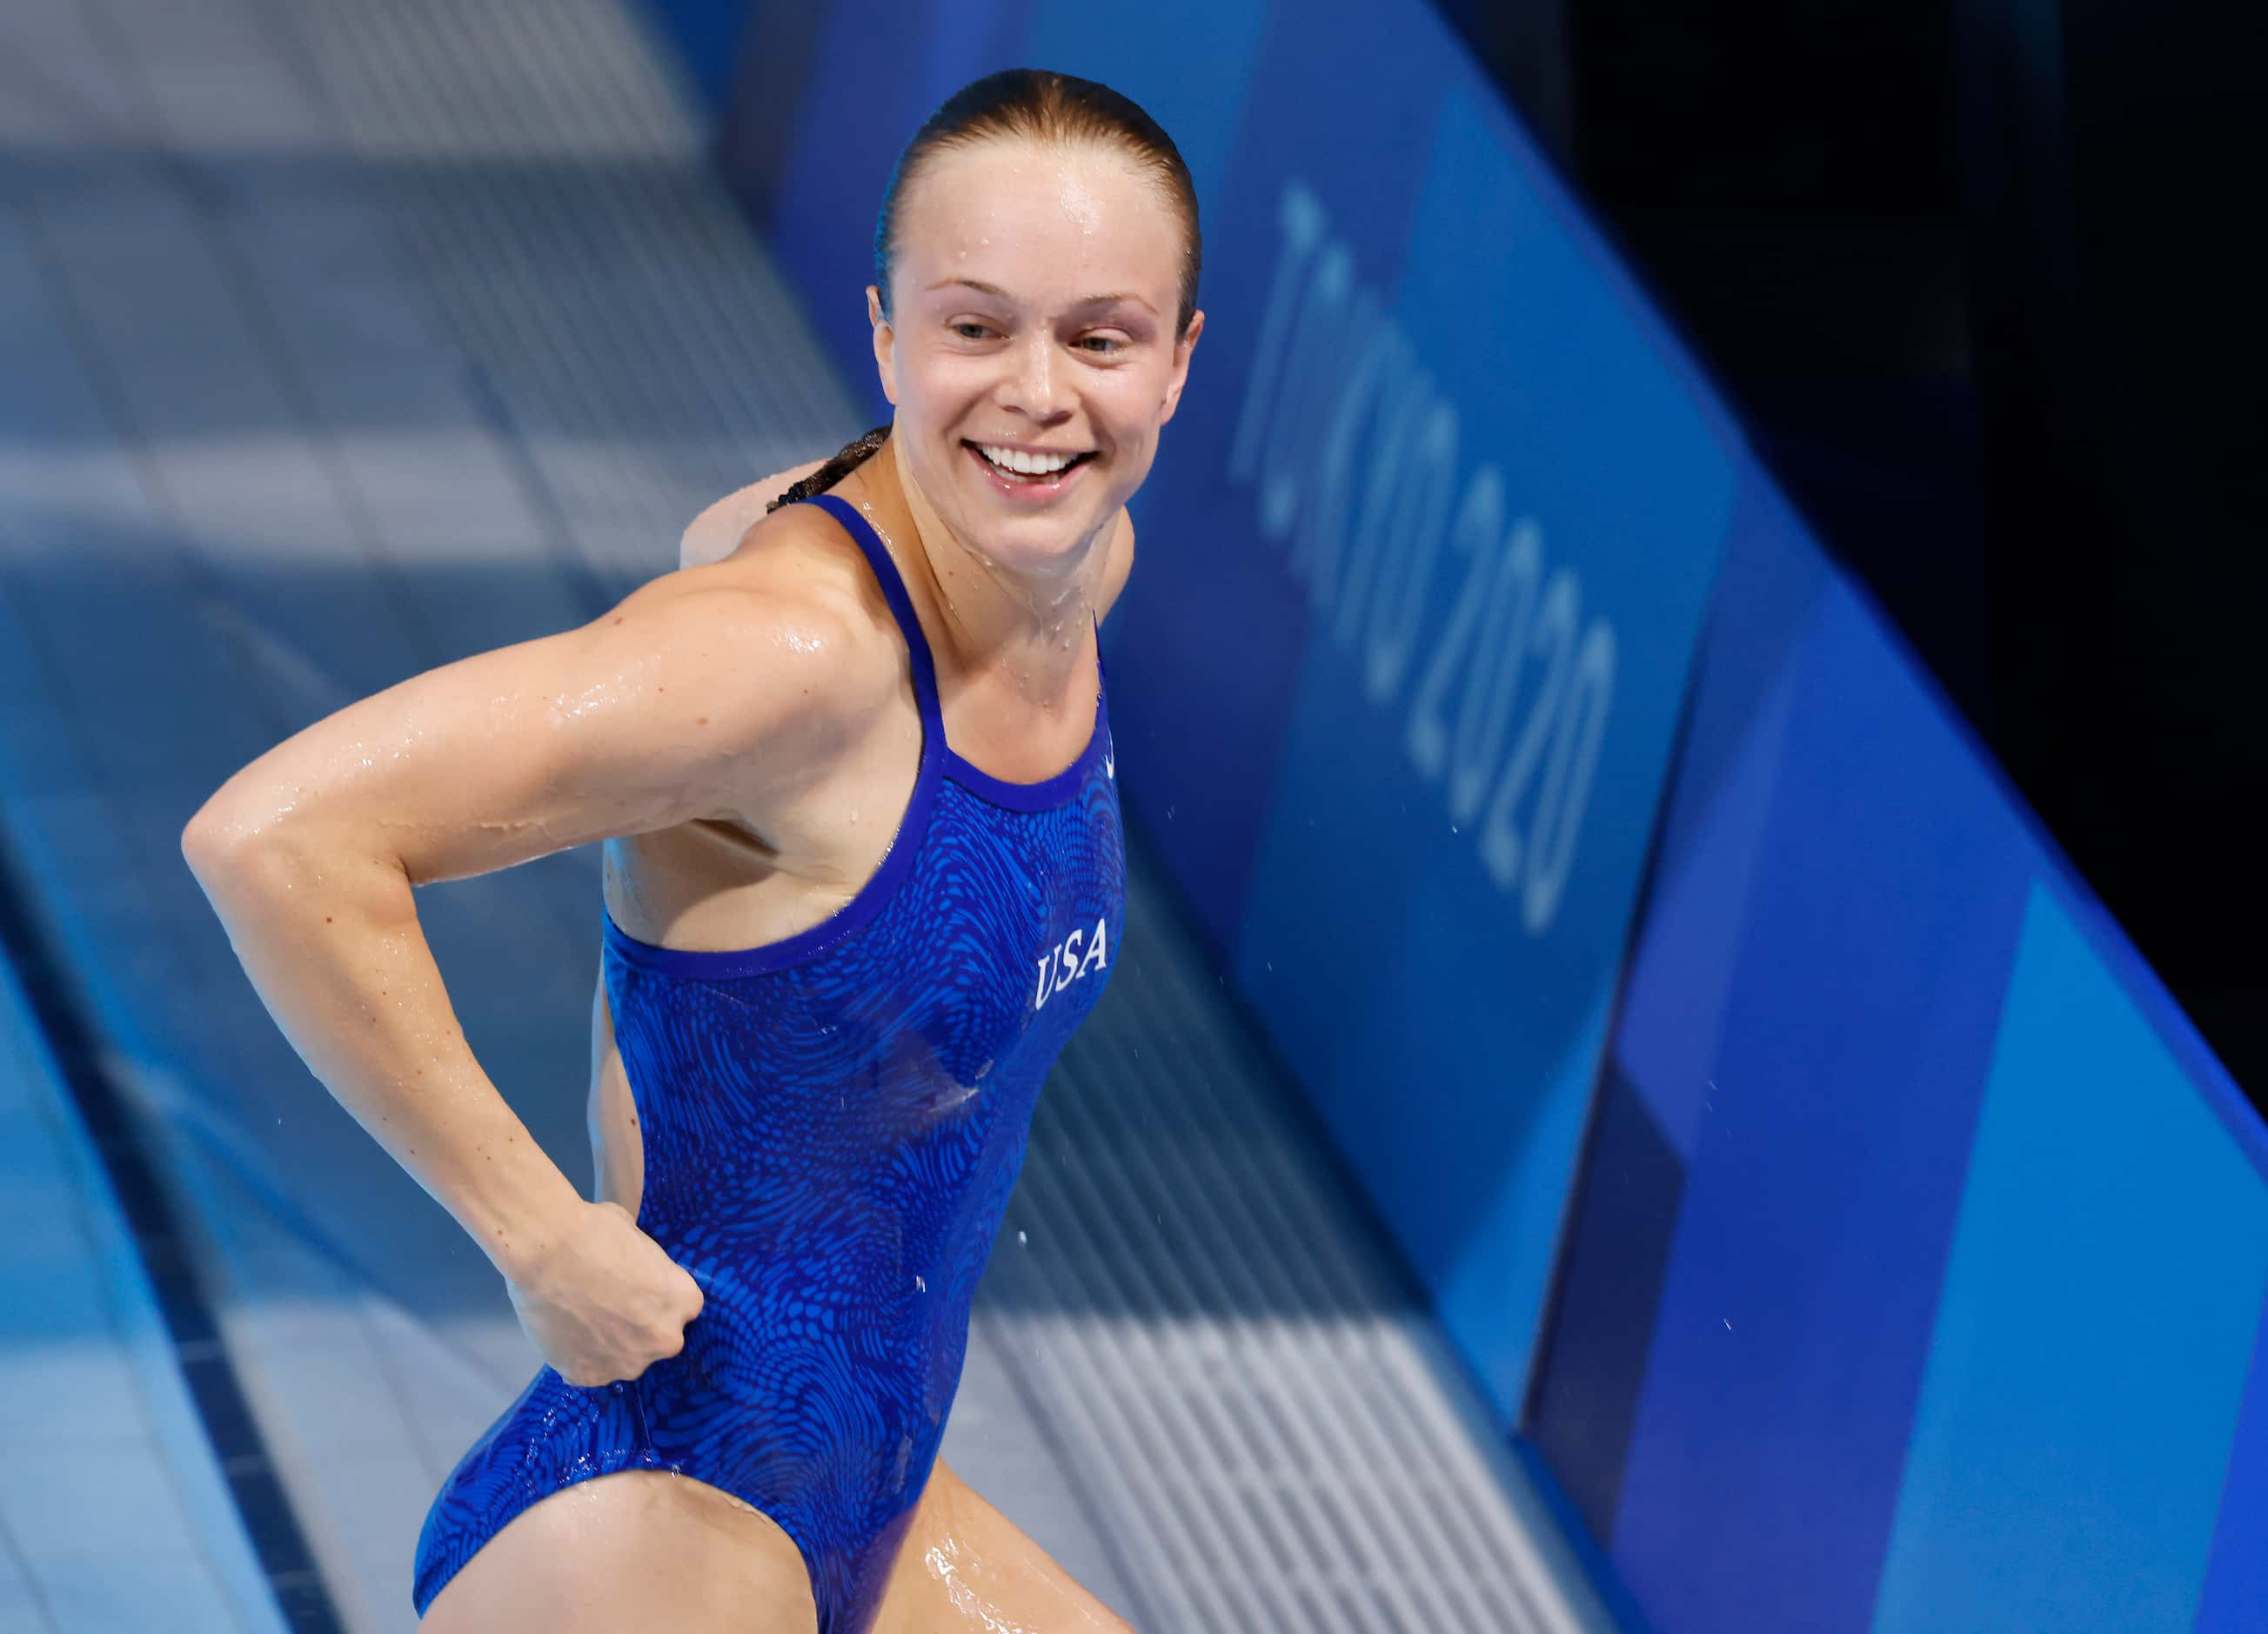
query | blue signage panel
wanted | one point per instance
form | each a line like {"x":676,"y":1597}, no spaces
{"x":1502,"y":616}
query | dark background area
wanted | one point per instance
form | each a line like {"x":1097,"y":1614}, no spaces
{"x":1983,"y":280}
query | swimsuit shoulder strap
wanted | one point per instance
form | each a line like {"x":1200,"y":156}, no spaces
{"x":901,"y":607}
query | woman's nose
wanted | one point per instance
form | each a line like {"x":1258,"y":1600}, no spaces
{"x":1032,"y":384}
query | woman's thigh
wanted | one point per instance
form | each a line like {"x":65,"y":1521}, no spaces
{"x":964,"y":1565}
{"x":640,"y":1549}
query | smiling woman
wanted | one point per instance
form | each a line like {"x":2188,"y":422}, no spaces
{"x":852,"y":769}
{"x":1031,"y":324}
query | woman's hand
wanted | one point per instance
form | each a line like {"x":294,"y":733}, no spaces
{"x":604,"y":1302}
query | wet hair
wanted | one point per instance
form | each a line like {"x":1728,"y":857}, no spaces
{"x":849,"y":458}
{"x":1031,"y":105}
{"x":1035,"y":106}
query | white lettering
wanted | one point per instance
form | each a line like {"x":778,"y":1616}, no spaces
{"x":1096,"y":950}
{"x":1478,"y":520}
{"x":1428,"y":485}
{"x":1062,"y":965}
{"x":1354,"y":453}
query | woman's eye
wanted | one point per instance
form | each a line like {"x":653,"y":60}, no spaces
{"x":1104,"y":345}
{"x":971,"y":331}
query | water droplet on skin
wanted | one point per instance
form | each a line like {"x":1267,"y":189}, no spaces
{"x":1023,"y":1239}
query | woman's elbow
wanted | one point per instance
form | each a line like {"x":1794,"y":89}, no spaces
{"x":213,"y":842}
{"x":228,"y":839}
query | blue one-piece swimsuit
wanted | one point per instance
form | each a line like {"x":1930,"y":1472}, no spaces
{"x":832,"y":1124}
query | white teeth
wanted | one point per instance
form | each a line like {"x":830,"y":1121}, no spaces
{"x":1029,"y":464}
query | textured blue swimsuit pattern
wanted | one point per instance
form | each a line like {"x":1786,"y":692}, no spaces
{"x":832,"y":1124}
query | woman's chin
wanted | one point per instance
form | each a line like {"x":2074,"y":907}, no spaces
{"x":1013,"y":531}
{"x":1039,"y":546}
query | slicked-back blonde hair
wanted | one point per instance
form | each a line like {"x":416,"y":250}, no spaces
{"x":1033,"y":104}
{"x":1029,"y":105}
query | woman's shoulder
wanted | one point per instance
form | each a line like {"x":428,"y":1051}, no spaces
{"x":797,"y":597}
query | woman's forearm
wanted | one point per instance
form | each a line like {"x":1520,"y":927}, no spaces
{"x":331,"y":942}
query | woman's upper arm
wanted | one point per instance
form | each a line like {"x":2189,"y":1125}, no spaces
{"x":689,"y":696}
{"x":717,"y":532}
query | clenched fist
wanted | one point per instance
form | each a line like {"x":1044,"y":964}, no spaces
{"x":604,"y":1302}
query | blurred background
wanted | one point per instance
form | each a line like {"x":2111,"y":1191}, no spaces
{"x":1745,"y":519}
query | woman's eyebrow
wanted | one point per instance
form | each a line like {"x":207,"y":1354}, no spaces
{"x":1112,"y":300}
{"x":997,"y":294}
{"x":978,"y":284}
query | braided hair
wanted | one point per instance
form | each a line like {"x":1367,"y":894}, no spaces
{"x":847,"y":459}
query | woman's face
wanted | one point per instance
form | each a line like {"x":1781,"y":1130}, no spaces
{"x":1035,"y":292}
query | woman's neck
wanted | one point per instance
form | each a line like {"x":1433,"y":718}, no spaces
{"x":992,"y":617}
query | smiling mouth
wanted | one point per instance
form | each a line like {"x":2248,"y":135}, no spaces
{"x":1035,"y":470}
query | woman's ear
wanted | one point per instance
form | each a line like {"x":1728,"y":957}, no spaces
{"x":1179,"y":378}
{"x":885,"y":345}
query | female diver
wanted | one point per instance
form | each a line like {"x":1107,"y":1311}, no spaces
{"x":863,"y":877}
